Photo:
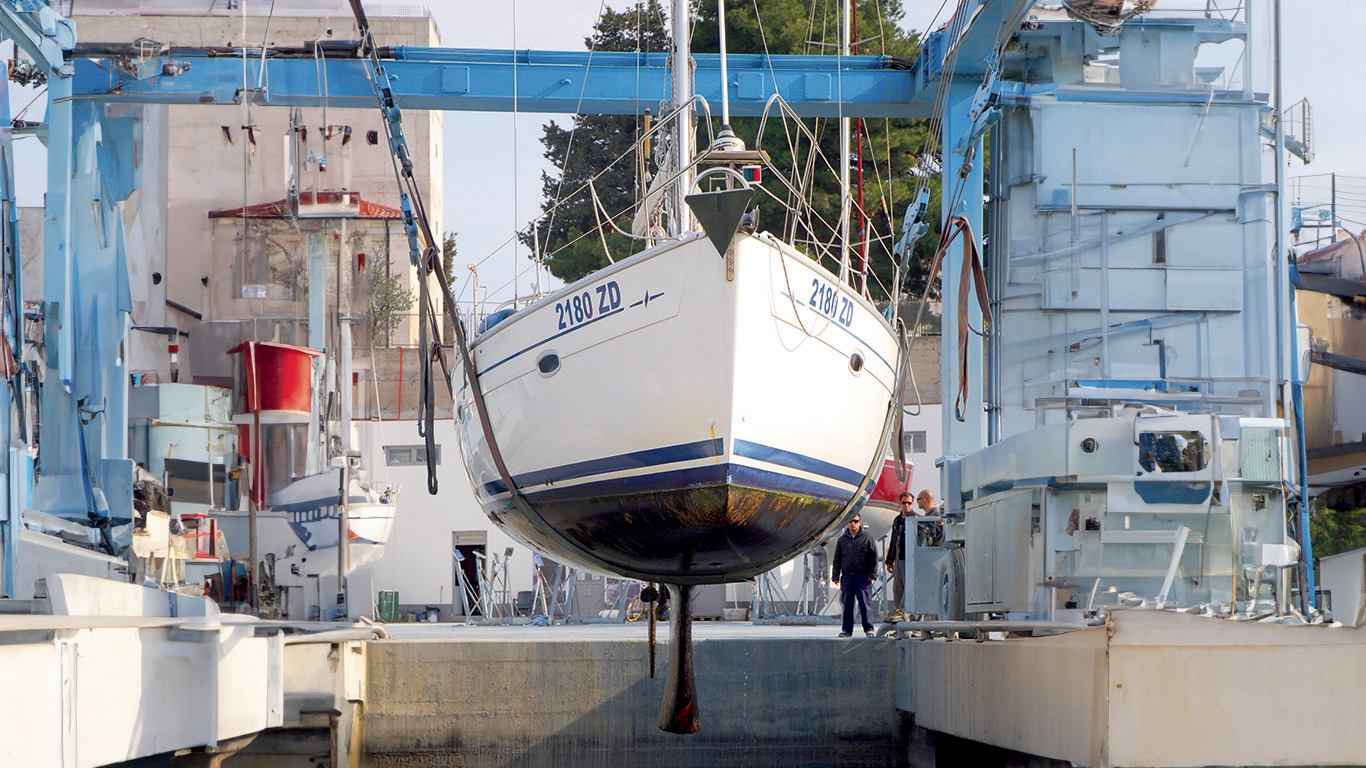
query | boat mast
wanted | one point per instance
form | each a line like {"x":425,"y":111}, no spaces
{"x":683,"y":130}
{"x":725,"y":87}
{"x":844,"y":145}
{"x":860,"y":231}
{"x":726,"y":140}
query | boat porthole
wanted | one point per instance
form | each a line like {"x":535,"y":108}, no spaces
{"x":856,"y":362}
{"x":1089,"y":445}
{"x":548,"y":364}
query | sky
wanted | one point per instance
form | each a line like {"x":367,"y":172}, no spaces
{"x":493,"y":162}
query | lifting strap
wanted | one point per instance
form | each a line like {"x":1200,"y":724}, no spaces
{"x":972,"y":274}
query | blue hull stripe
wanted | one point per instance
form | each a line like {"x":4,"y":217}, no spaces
{"x":674,"y":454}
{"x":651,"y":457}
{"x":551,"y":338}
{"x":696,"y":477}
{"x":763,"y":479}
{"x":797,"y":461}
{"x":668,"y":480}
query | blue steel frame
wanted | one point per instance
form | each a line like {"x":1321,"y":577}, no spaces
{"x":45,"y":37}
{"x":473,"y":79}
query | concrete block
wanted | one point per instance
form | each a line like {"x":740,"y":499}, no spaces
{"x":763,"y":701}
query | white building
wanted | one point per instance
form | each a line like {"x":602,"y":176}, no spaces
{"x":213,"y":158}
{"x":923,"y":425}
{"x":418,"y":563}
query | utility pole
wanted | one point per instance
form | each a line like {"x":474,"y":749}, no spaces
{"x":257,"y":483}
{"x":1333,"y":186}
{"x":343,"y":535}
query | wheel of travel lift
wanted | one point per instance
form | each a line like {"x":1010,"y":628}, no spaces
{"x":951,"y":568}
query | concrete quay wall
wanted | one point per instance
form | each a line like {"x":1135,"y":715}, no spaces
{"x":1150,"y":689}
{"x":763,"y":701}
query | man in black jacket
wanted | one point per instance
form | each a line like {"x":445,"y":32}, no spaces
{"x":853,"y":570}
{"x":896,"y":557}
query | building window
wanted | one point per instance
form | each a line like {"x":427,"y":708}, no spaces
{"x":408,"y":455}
{"x":271,"y":262}
{"x":914,"y":440}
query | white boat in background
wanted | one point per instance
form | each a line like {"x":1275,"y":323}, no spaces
{"x":188,"y":436}
{"x":666,"y":422}
{"x":299,"y":526}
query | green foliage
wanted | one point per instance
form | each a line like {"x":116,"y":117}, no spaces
{"x":793,"y":26}
{"x":390,"y":299}
{"x":1337,"y":530}
{"x":449,"y":251}
{"x":570,"y":240}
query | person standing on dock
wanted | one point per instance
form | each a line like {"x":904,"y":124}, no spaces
{"x":931,"y":531}
{"x":896,"y":558}
{"x":853,"y":570}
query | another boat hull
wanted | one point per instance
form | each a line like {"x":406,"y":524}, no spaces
{"x":688,"y":428}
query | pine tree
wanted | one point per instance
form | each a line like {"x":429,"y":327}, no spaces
{"x":568,"y":236}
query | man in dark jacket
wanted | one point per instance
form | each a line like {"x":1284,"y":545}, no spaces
{"x":853,"y":570}
{"x":896,"y":557}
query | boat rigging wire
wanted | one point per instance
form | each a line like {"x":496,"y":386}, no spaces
{"x":428,"y":263}
{"x":660,"y":125}
{"x":265,"y":41}
{"x":597,"y":216}
{"x":569,"y":145}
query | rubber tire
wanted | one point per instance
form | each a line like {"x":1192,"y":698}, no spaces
{"x":951,"y":568}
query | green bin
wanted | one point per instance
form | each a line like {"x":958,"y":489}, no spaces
{"x":388,"y":605}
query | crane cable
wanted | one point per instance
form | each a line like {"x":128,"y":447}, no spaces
{"x":428,"y":263}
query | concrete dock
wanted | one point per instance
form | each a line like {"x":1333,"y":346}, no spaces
{"x":583,"y":696}
{"x":1146,"y":688}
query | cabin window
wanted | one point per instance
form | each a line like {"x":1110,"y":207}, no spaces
{"x":548,"y":364}
{"x":408,"y":455}
{"x":1185,"y":451}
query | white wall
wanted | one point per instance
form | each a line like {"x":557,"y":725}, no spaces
{"x":925,"y":474}
{"x":418,"y":560}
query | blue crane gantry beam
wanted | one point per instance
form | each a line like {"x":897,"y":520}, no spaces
{"x":602,"y":82}
{"x":484,"y":80}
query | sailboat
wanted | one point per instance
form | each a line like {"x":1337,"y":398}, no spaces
{"x":696,"y":413}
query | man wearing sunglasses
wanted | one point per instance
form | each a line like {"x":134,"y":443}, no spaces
{"x":896,"y":558}
{"x":853,"y":570}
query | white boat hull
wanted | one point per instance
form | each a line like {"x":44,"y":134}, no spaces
{"x":688,"y":428}
{"x":300,"y":525}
